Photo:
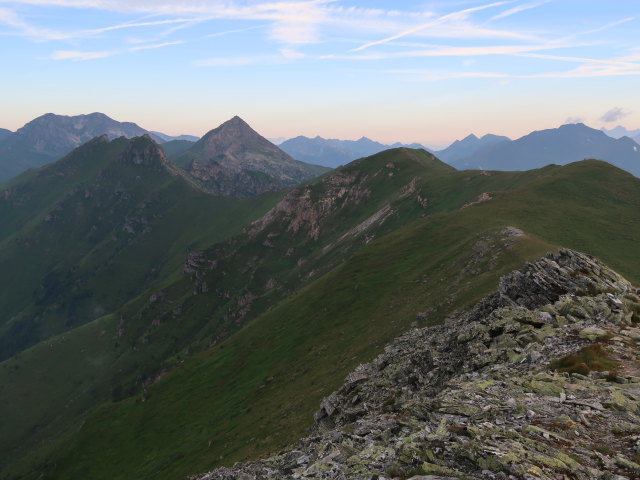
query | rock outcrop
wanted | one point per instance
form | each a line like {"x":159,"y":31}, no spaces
{"x":540,"y":380}
{"x":144,"y":151}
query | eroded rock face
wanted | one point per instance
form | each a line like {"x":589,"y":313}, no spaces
{"x":144,"y":151}
{"x":300,"y":212}
{"x":477,"y":397}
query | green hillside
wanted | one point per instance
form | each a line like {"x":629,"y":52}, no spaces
{"x":82,"y":236}
{"x":256,"y":391}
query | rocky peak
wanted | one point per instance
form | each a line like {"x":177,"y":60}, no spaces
{"x":234,"y":159}
{"x":144,"y":151}
{"x":232,"y":137}
{"x":538,"y":381}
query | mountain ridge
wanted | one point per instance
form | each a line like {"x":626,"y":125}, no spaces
{"x":480,"y":396}
{"x":108,"y":199}
{"x":51,"y":136}
{"x":4,"y":133}
{"x":257,"y":388}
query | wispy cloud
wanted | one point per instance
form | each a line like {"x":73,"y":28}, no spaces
{"x":613,"y":115}
{"x":236,"y":30}
{"x":449,"y":51}
{"x":439,"y":21}
{"x":284,"y":55}
{"x":518,"y":9}
{"x":155,"y":45}
{"x":79,"y":56}
{"x":23,"y":28}
{"x":291,"y":22}
{"x":227,"y":61}
{"x":574,"y":120}
{"x":583,"y":71}
{"x":138,"y":25}
{"x":596,"y":30}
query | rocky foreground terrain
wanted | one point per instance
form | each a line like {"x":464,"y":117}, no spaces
{"x":540,"y":380}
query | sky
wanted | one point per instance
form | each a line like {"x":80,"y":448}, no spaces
{"x":408,"y":71}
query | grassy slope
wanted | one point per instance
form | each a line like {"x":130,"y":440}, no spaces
{"x":138,"y":340}
{"x":257,"y":391}
{"x":66,"y":256}
{"x":80,"y":368}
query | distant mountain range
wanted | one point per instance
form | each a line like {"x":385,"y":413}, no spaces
{"x":566,"y":144}
{"x":50,"y":137}
{"x":168,"y":138}
{"x":619,"y":132}
{"x":333,"y":152}
{"x":562,"y":145}
{"x":4,"y":133}
{"x":234,"y":160}
{"x":468,"y":146}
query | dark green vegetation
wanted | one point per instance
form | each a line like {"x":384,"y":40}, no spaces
{"x":174,"y":148}
{"x":231,"y":360}
{"x":84,"y":235}
{"x":590,"y":358}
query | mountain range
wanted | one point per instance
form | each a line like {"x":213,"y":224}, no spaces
{"x":562,"y":145}
{"x":468,"y":146}
{"x":124,"y":208}
{"x":50,"y":137}
{"x":181,"y":312}
{"x":619,"y":132}
{"x":332,"y":152}
{"x":173,"y":331}
{"x":4,"y":133}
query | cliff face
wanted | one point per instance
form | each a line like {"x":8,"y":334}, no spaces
{"x":540,"y":380}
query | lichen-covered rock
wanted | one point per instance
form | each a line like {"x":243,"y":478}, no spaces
{"x":499,"y":392}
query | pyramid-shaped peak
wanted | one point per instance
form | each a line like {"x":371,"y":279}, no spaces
{"x":232,"y":131}
{"x":236,"y":121}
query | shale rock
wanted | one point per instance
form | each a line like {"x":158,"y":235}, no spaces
{"x":512,"y":389}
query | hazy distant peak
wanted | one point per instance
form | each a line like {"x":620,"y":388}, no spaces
{"x":491,"y":136}
{"x":620,"y":131}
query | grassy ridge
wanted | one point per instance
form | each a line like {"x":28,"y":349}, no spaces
{"x":257,"y":391}
{"x":84,"y":235}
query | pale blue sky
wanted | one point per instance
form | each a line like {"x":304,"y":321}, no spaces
{"x":425,"y":71}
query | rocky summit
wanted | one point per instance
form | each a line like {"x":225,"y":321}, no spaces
{"x":540,"y":380}
{"x":234,"y":160}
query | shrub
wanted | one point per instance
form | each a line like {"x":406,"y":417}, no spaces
{"x":590,"y":358}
